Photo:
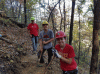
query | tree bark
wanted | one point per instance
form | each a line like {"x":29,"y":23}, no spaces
{"x":25,"y":12}
{"x":64,"y":17}
{"x":61,"y":17}
{"x":53,"y":28}
{"x":96,"y":27}
{"x":19,"y":12}
{"x":79,"y":40}
{"x":71,"y":24}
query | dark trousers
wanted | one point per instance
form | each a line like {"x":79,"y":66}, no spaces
{"x":71,"y":72}
{"x":49,"y":55}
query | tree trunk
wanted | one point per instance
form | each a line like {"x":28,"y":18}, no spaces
{"x":53,"y":28}
{"x":25,"y":12}
{"x":79,"y":40}
{"x":64,"y":17}
{"x":61,"y":17}
{"x":95,"y":49}
{"x":99,"y":66}
{"x":19,"y":12}
{"x":71,"y":25}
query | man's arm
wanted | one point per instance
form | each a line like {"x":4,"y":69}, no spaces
{"x":66,"y":60}
{"x":52,"y":38}
{"x":45,"y":42}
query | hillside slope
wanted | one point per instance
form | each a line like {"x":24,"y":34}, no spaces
{"x":16,"y":52}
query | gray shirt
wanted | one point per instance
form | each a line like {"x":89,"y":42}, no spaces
{"x":45,"y":37}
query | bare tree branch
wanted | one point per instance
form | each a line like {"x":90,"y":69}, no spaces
{"x":53,"y":9}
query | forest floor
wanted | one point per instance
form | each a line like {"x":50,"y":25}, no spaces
{"x":16,"y":54}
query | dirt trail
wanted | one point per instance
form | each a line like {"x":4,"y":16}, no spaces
{"x":33,"y":65}
{"x":33,"y":68}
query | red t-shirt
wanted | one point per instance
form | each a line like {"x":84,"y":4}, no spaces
{"x":33,"y":29}
{"x":67,"y":52}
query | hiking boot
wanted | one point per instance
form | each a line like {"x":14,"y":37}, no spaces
{"x":39,"y":65}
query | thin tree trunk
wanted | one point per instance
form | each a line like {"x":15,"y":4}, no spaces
{"x":79,"y":40}
{"x":98,"y":71}
{"x":96,"y":27}
{"x":71,"y":25}
{"x":64,"y":17}
{"x":19,"y":12}
{"x":25,"y":12}
{"x":53,"y":28}
{"x":61,"y":17}
{"x":13,"y":12}
{"x":11,"y":9}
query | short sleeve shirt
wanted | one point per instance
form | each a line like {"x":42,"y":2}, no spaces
{"x":45,"y":37}
{"x":67,"y":52}
{"x":33,"y":29}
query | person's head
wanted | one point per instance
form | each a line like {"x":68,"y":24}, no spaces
{"x":61,"y":38}
{"x":45,"y":25}
{"x":32,"y":19}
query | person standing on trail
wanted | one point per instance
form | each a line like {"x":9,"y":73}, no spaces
{"x":65,"y":53}
{"x":33,"y":29}
{"x":45,"y":39}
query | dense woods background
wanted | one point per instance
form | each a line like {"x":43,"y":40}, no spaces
{"x":79,"y":19}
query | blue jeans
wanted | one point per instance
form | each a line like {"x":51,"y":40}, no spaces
{"x":34,"y":42}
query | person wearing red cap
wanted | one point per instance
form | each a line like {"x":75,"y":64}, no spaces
{"x":65,"y":53}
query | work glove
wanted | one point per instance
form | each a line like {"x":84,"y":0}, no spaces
{"x":56,"y":54}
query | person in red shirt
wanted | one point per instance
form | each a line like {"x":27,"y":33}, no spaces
{"x":65,"y":53}
{"x":33,"y":29}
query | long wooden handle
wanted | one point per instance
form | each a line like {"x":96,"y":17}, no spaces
{"x":49,"y":64}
